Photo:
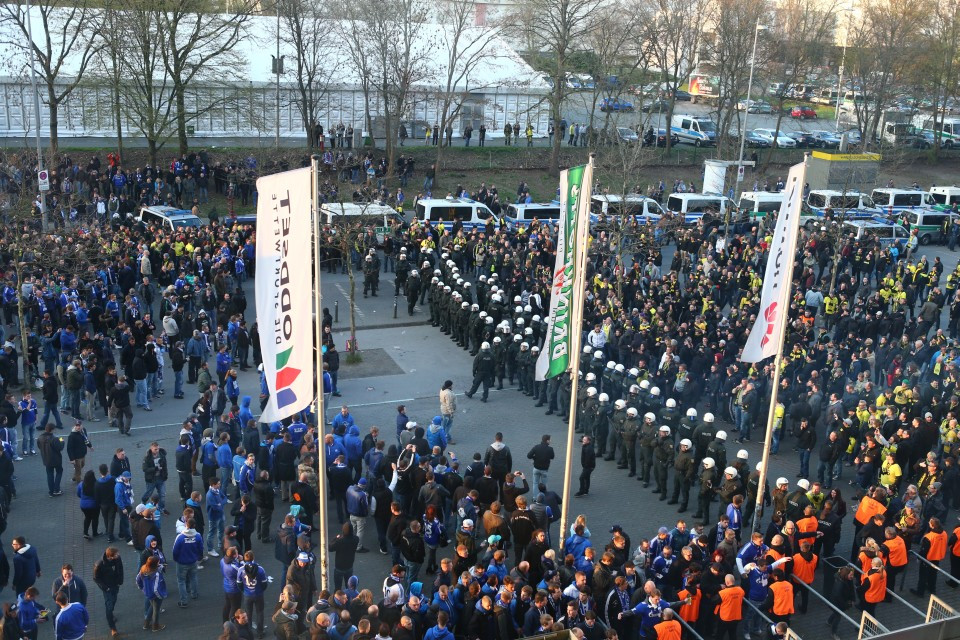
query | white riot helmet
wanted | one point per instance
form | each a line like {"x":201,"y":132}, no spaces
{"x":721,"y":435}
{"x":644,"y":384}
{"x":527,"y":308}
{"x":497,"y":340}
{"x":587,"y":349}
{"x":708,"y":463}
{"x":686,"y":443}
{"x":665,"y":429}
{"x":483,"y":314}
{"x":634,"y":389}
{"x":620,"y":404}
{"x":528,"y":331}
{"x":488,"y":320}
{"x":517,"y":300}
{"x":464,"y":305}
{"x":782,"y":482}
{"x":533,"y":319}
{"x":518,"y":310}
{"x":598,"y":355}
{"x":619,"y":368}
{"x":483,"y":278}
{"x":730,"y":471}
{"x":603,"y":397}
{"x":611,"y":364}
{"x":804,"y":484}
{"x":649,"y":417}
{"x":634,"y":372}
{"x":485,"y":346}
{"x":591,"y":377}
{"x":475,"y":307}
{"x":708,"y":417}
{"x":519,"y":322}
{"x":437,"y":272}
{"x":742,"y":454}
{"x":632,"y":412}
{"x":691,"y":413}
{"x":517,"y":338}
{"x":414,"y":272}
{"x":524,"y":346}
{"x":494,"y":289}
{"x":497,"y":298}
{"x":671,"y":403}
{"x":759,"y":465}
{"x":655,"y":391}
{"x":534,"y":349}
{"x":591,"y":391}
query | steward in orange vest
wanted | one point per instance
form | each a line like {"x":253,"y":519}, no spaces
{"x":779,"y":601}
{"x":895,"y":550}
{"x":933,"y":547}
{"x":669,"y":629}
{"x":954,"y":543}
{"x":873,"y":587}
{"x":804,"y":566}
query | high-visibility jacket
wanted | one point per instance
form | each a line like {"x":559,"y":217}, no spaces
{"x":806,"y":525}
{"x":731,"y":604}
{"x":865,"y":562}
{"x":877,"y":590}
{"x":898,"y":551}
{"x":938,"y":545}
{"x":956,"y":545}
{"x":668,"y":630}
{"x":690,"y":612}
{"x":803,"y":569}
{"x":868,"y":508}
{"x":782,"y":598}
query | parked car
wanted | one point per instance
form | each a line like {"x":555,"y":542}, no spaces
{"x":826,"y":139}
{"x":615,"y":104}
{"x":626,"y":135}
{"x":781,"y":140}
{"x":803,"y":113}
{"x":945,"y":143}
{"x":756,"y":142}
{"x":681,"y":95}
{"x":754,"y":106}
{"x":804,"y":139}
{"x":657,"y":104}
{"x":661,"y":138}
{"x":853,"y":136}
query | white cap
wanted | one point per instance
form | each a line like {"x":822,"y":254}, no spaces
{"x":591,"y":391}
{"x":671,"y":403}
{"x":686,"y":443}
{"x":708,"y":463}
{"x":485,"y":345}
{"x":634,"y":372}
{"x":665,"y":429}
{"x":708,"y":417}
{"x":632,"y":412}
{"x":411,"y":425}
{"x":649,"y":416}
{"x":730,"y":471}
{"x":742,"y":454}
{"x":603,"y":397}
{"x":721,"y":435}
{"x":655,"y":391}
{"x":591,"y":377}
{"x":619,"y":368}
{"x":804,"y":484}
{"x":644,"y":384}
{"x":611,"y":364}
{"x":620,"y":404}
{"x":781,"y":481}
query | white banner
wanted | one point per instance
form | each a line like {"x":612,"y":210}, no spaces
{"x":284,"y":291}
{"x":766,"y":337}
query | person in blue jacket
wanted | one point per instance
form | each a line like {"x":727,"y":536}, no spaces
{"x":88,"y":504}
{"x":297,"y":429}
{"x":440,"y":631}
{"x":123,"y":498}
{"x":436,"y":434}
{"x":232,"y":389}
{"x":187,"y":553}
{"x":223,"y":364}
{"x":152,"y":584}
{"x":354,"y":448}
{"x":71,"y":623}
{"x":215,"y":516}
{"x":343,"y":420}
{"x":208,"y":458}
{"x":577,"y":542}
{"x":245,"y":414}
{"x":253,"y":580}
{"x":225,"y":462}
{"x":28,"y":612}
{"x":650,"y":612}
{"x":26,"y":565}
{"x":230,"y":569}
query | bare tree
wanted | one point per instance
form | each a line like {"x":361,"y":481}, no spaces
{"x":63,"y":31}
{"x":308,"y":28}
{"x":728,"y":47}
{"x":561,"y":28}
{"x":936,"y":68}
{"x":197,"y":44}
{"x":674,"y":31}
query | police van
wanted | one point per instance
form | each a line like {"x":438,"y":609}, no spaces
{"x":699,"y":131}
{"x":928,"y":223}
{"x":947,"y":196}
{"x":697,"y":206}
{"x":169,"y":218}
{"x":471,"y":213}
{"x":379,"y":216}
{"x":901,"y":199}
{"x":852,"y":204}
{"x":757,"y":204}
{"x":521,"y":215}
{"x":644,"y":210}
{"x":882,"y":232}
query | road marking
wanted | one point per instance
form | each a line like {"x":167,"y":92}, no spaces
{"x":344,"y":293}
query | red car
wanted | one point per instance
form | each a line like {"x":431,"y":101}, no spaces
{"x":803,"y":113}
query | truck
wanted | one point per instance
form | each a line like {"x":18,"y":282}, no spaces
{"x":704,"y":87}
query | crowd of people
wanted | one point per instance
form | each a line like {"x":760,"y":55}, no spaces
{"x":470,"y":548}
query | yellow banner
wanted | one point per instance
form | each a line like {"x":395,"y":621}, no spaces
{"x":846,"y":157}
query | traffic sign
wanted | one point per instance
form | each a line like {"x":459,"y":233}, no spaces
{"x":43,"y":178}
{"x":740,"y":173}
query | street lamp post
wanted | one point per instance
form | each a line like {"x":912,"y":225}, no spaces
{"x":746,"y":114}
{"x":843,"y":60}
{"x":36,"y":113}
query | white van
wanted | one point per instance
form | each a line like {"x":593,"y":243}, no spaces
{"x":852,"y":204}
{"x":696,"y":130}
{"x":471,"y":213}
{"x":521,"y":215}
{"x":169,"y":218}
{"x":901,"y":199}
{"x":645,"y":210}
{"x":694,"y":206}
{"x":947,"y":196}
{"x":882,"y":232}
{"x":757,"y":204}
{"x":379,"y":216}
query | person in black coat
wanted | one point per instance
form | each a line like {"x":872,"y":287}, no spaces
{"x":483,"y":624}
{"x":77,"y":445}
{"x":108,"y":575}
{"x":588,"y":462}
{"x":263,"y":497}
{"x":303,"y":495}
{"x":285,"y":465}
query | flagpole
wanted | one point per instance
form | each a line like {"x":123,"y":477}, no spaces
{"x":576,"y":337}
{"x":318,"y":352}
{"x":771,"y":421}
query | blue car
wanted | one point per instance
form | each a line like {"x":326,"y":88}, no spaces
{"x":614,"y":104}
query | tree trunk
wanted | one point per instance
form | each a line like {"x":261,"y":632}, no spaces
{"x":153,"y":150}
{"x":353,"y":353}
{"x":54,"y":121}
{"x":21,"y":321}
{"x":116,"y":107}
{"x":181,"y":118}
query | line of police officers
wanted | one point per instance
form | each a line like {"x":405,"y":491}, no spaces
{"x":611,"y":399}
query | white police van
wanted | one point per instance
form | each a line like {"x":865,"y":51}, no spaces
{"x":882,"y":232}
{"x":695,"y":206}
{"x":169,"y":218}
{"x":699,"y":131}
{"x":379,"y":216}
{"x":644,"y":210}
{"x":522,"y":214}
{"x":947,"y":196}
{"x":471,"y":213}
{"x":851,"y":204}
{"x":901,"y":199}
{"x":757,"y":204}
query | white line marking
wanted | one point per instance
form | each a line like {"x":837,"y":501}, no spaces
{"x":344,"y":293}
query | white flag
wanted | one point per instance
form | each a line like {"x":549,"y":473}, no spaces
{"x":766,"y":337}
{"x":283,"y":291}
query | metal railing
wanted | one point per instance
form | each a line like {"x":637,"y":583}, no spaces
{"x":938,"y":610}
{"x":890,"y":592}
{"x":791,"y":634}
{"x":937,"y":567}
{"x":870,"y":626}
{"x":825,"y":600}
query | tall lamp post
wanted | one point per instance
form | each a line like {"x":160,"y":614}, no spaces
{"x":843,"y":60}
{"x":36,"y":113}
{"x":746,"y":114}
